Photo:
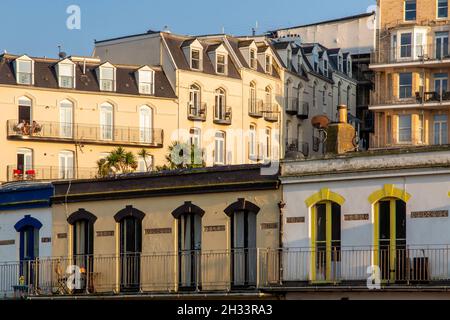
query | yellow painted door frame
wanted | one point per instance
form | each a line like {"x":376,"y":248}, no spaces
{"x":392,"y":235}
{"x":328,"y":240}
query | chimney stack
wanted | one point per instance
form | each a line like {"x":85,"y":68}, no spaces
{"x":342,"y":111}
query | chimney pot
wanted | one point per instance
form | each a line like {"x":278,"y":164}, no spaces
{"x":342,"y":110}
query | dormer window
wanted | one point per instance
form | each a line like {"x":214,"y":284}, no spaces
{"x":66,"y":74}
{"x":221,"y":63}
{"x":316,"y":62}
{"x":268,"y":63}
{"x":349,"y":67}
{"x":107,"y":78}
{"x":325,"y":67}
{"x":253,"y":63}
{"x":195,"y":59}
{"x":299,"y":63}
{"x":146,"y":80}
{"x":24,"y":71}
{"x":340,"y":64}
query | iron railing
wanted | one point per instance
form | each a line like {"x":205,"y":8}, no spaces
{"x":421,"y":97}
{"x":49,"y":173}
{"x":270,"y":111}
{"x":102,"y":134}
{"x":292,"y":105}
{"x":411,"y":53}
{"x":415,"y":138}
{"x":196,"y":112}
{"x":223,"y":116}
{"x":255,"y":108}
{"x":303,"y":111}
{"x":228,"y":270}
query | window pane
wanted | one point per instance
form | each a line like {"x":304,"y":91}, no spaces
{"x":404,"y":128}
{"x":442,"y":8}
{"x":107,"y":73}
{"x":145,"y":76}
{"x":24,"y":66}
{"x":410,"y":10}
{"x":405,"y":85}
{"x":66,"y":70}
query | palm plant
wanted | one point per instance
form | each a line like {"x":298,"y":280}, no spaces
{"x":183,"y":155}
{"x":117,"y":162}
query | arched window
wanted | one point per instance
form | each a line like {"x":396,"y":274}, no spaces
{"x":268,"y":96}
{"x":252,"y":142}
{"x":106,"y":121}
{"x":146,"y":124}
{"x":25,"y":104}
{"x":389,"y":205}
{"x":324,"y":95}
{"x":220,"y":105}
{"x":66,"y":118}
{"x":194,"y":100}
{"x":243,"y":214}
{"x":252,"y":99}
{"x":189,"y":218}
{"x":24,"y":164}
{"x":82,"y":224}
{"x":268,"y":143}
{"x":326,"y":240}
{"x":66,"y":164}
{"x":28,"y":228}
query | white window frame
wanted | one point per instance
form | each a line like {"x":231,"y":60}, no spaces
{"x":268,"y":143}
{"x":220,"y":148}
{"x":29,"y":75}
{"x":146,"y":129}
{"x":252,"y":59}
{"x":27,"y":158}
{"x":66,"y":167}
{"x":146,"y":82}
{"x":252,"y":143}
{"x":199,"y":60}
{"x":106,"y":130}
{"x":107,"y":84}
{"x":223,"y":65}
{"x":399,"y":128}
{"x":66,"y":108}
{"x":62,"y":76}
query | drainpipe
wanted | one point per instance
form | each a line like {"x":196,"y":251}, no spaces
{"x":281,"y":206}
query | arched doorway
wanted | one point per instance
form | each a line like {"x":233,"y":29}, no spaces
{"x":28,"y":228}
{"x":242,"y":215}
{"x":189,"y":218}
{"x":389,"y":220}
{"x":130,"y":220}
{"x":325,"y":235}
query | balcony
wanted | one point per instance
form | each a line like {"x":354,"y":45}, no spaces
{"x":303,"y":111}
{"x":431,"y":56}
{"x":196,"y":112}
{"x":421,"y":99}
{"x":417,"y":140}
{"x":231,"y":271}
{"x":270,"y":112}
{"x":255,"y":108}
{"x":49,"y":173}
{"x":293,"y":145}
{"x":292,"y":106}
{"x":86,"y":133}
{"x":223,"y":117}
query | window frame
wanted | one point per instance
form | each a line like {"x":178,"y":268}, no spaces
{"x":403,"y":86}
{"x":410,"y":10}
{"x":19,"y":72}
{"x":438,"y":7}
{"x":253,"y":59}
{"x":145,"y":84}
{"x":220,"y":145}
{"x":62,"y":77}
{"x":199,"y":60}
{"x":104,"y":80}
{"x":401,"y":128}
{"x":223,"y":65}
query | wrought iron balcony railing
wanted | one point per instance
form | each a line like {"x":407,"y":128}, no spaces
{"x":416,"y":267}
{"x":303,"y":111}
{"x":255,"y":108}
{"x":87,"y":133}
{"x":49,"y":173}
{"x":420,"y":97}
{"x":223,"y":116}
{"x":292,"y":105}
{"x":271,"y":112}
{"x":411,"y":53}
{"x":196,"y":112}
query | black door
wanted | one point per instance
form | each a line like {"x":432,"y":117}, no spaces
{"x":243,"y":243}
{"x":29,"y":251}
{"x":25,"y":114}
{"x":130,"y":252}
{"x":189,"y":246}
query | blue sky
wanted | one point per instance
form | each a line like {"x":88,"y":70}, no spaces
{"x":37,"y":27}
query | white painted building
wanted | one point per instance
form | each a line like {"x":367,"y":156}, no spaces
{"x":348,"y":213}
{"x":25,"y":233}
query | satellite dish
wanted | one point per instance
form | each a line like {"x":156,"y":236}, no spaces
{"x":62,"y":55}
{"x":320,"y":122}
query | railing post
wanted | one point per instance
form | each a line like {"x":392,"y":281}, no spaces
{"x":258,"y":268}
